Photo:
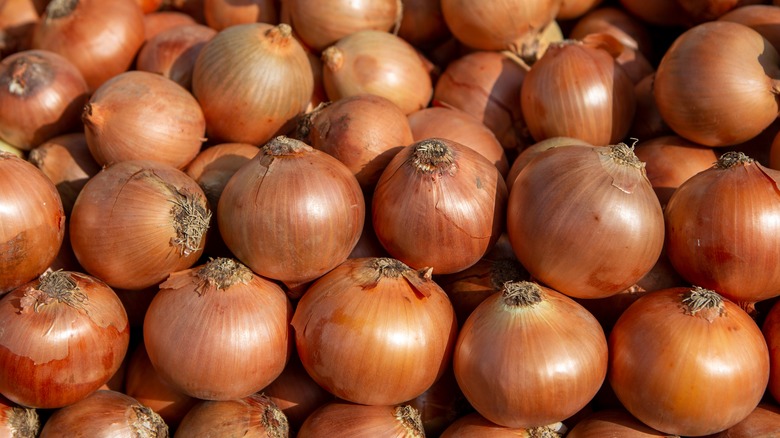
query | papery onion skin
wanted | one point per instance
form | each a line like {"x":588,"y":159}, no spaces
{"x":172,"y":53}
{"x":17,"y":421}
{"x":370,"y":324}
{"x":255,"y":416}
{"x":41,"y":95}
{"x":715,"y":110}
{"x":64,"y":335}
{"x":722,"y":229}
{"x":444,"y":195}
{"x":237,"y":331}
{"x":686,"y":361}
{"x":359,"y":421}
{"x":105,"y":414}
{"x":613,"y":422}
{"x":137,"y":221}
{"x":32,"y":222}
{"x":441,"y":405}
{"x":262,"y":67}
{"x":658,"y":12}
{"x":474,"y":425}
{"x":605,"y":192}
{"x":764,"y":421}
{"x":648,"y":122}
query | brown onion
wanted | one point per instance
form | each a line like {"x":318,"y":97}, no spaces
{"x":100,"y":38}
{"x":571,"y":9}
{"x":613,"y":422}
{"x":707,"y":10}
{"x":220,"y":14}
{"x":17,"y":421}
{"x":459,"y":126}
{"x":658,"y":12}
{"x":139,"y":115}
{"x":648,"y":122}
{"x":255,"y":416}
{"x":41,"y":96}
{"x":237,"y":326}
{"x":763,"y":19}
{"x":172,"y":53}
{"x":5,"y":147}
{"x":149,"y":6}
{"x":193,"y":8}
{"x":422,"y":23}
{"x":585,"y":220}
{"x":374,"y":331}
{"x":263,"y":67}
{"x":439,"y":204}
{"x":161,"y":21}
{"x":380,"y":63}
{"x":714,"y":110}
{"x":18,"y":19}
{"x":476,"y":426}
{"x":81,"y":336}
{"x":764,"y":421}
{"x":137,"y":221}
{"x":686,"y":361}
{"x":629,"y":30}
{"x":105,"y":414}
{"x":33,"y":222}
{"x":68,"y":163}
{"x":359,"y":421}
{"x":441,"y":404}
{"x":213,"y":167}
{"x":292,"y":213}
{"x":529,"y":356}
{"x":529,"y":153}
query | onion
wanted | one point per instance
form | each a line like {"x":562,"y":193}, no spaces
{"x":511,"y":341}
{"x":564,"y":225}
{"x":237,"y":326}
{"x":193,"y":8}
{"x":161,"y":21}
{"x":422,"y":23}
{"x":136,"y":222}
{"x":172,"y":53}
{"x":771,"y":330}
{"x":213,"y":167}
{"x":358,"y":421}
{"x":476,"y":426}
{"x":81,"y":336}
{"x":706,"y":10}
{"x":364,"y":132}
{"x":441,"y":404}
{"x":136,"y":303}
{"x":487,"y":85}
{"x":100,"y":38}
{"x":721,"y":228}
{"x":17,"y":421}
{"x":105,"y":414}
{"x":658,"y":12}
{"x":321,"y":23}
{"x":613,"y":422}
{"x":5,"y":147}
{"x":221,"y":14}
{"x":579,"y":82}
{"x":41,"y":95}
{"x":374,"y":331}
{"x":571,"y":9}
{"x":444,"y":194}
{"x":459,"y":126}
{"x":33,"y":222}
{"x":764,"y":421}
{"x":67,"y":162}
{"x":626,"y":28}
{"x":648,"y":122}
{"x":715,"y":110}
{"x":250,"y":417}
{"x":262,"y":209}
{"x":686,"y":361}
{"x":761,"y":18}
{"x":259,"y":65}
{"x":149,"y":6}
{"x":18,"y":19}
{"x":380,"y":63}
{"x":529,"y":153}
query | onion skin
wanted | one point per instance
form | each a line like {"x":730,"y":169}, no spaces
{"x":227,"y":354}
{"x":161,"y":21}
{"x":33,"y":222}
{"x":255,"y":416}
{"x":648,"y":122}
{"x":764,"y":421}
{"x":658,"y":12}
{"x":684,"y":361}
{"x":17,"y":22}
{"x":713,"y":110}
{"x":41,"y":95}
{"x":771,"y":330}
{"x":761,"y":18}
{"x":613,"y":422}
{"x":629,"y":30}
{"x":529,"y":153}
{"x":172,"y":53}
{"x":422,"y":23}
{"x":441,"y":405}
{"x":359,"y":421}
{"x":409,"y":338}
{"x":139,"y":115}
{"x":476,"y":426}
{"x":221,"y":14}
{"x":17,"y":421}
{"x":214,"y":166}
{"x":80,"y":332}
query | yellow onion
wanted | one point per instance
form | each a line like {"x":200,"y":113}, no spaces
{"x":358,"y":421}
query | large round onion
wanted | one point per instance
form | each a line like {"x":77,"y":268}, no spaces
{"x":255,"y":416}
{"x":358,"y":421}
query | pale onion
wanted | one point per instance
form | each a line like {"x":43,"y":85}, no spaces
{"x":172,"y":53}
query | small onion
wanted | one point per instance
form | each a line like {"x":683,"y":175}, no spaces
{"x":476,"y":426}
{"x":215,"y":165}
{"x":707,"y":10}
{"x":137,"y":221}
{"x":255,"y":416}
{"x":105,"y":414}
{"x":374,"y":331}
{"x":161,"y":21}
{"x":263,"y":67}
{"x":439,"y":204}
{"x":100,"y":38}
{"x":529,"y":153}
{"x":193,"y":8}
{"x":441,"y":404}
{"x":380,"y":63}
{"x":17,"y":421}
{"x":764,"y":421}
{"x":613,"y":423}
{"x":358,"y":421}
{"x":762,"y":18}
{"x":81,"y":336}
{"x":139,"y":115}
{"x":32,"y":222}
{"x":686,"y":361}
{"x":172,"y":53}
{"x":422,"y":23}
{"x":221,"y":14}
{"x":628,"y":29}
{"x":236,"y":325}
{"x":658,"y":12}
{"x":41,"y":96}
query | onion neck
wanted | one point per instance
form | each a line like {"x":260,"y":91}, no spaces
{"x":523,"y":294}
{"x":24,"y":422}
{"x":624,"y":154}
{"x":280,"y":34}
{"x":54,"y":287}
{"x":224,"y":273}
{"x":272,"y":418}
{"x":555,"y":431}
{"x":411,"y":420}
{"x":60,"y":8}
{"x":190,"y":220}
{"x":433,"y":156}
{"x":733,"y":159}
{"x":704,"y":302}
{"x":282,"y":145}
{"x":385,"y":267}
{"x":148,"y":424}
{"x":333,"y":58}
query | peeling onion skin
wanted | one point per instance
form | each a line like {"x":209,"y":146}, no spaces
{"x":686,"y":361}
{"x":105,"y":414}
{"x":255,"y":416}
{"x":360,"y":421}
{"x":64,"y":335}
{"x":221,"y":14}
{"x":771,"y":330}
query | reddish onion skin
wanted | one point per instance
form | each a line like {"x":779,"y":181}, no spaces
{"x":409,"y":337}
{"x":761,"y":18}
{"x":32,"y":222}
{"x":105,"y":414}
{"x":585,"y":185}
{"x":221,"y":14}
{"x":172,"y":53}
{"x":658,"y":12}
{"x":100,"y":38}
{"x":441,"y":405}
{"x":771,"y":330}
{"x":41,"y":96}
{"x":685,"y":361}
{"x":474,"y":425}
{"x":764,"y":421}
{"x":439,"y":204}
{"x":359,"y":421}
{"x":422,"y":23}
{"x":613,"y":423}
{"x":713,"y":110}
{"x":137,"y":221}
{"x":215,"y":165}
{"x":17,"y":23}
{"x":648,"y":122}
{"x":529,"y":153}
{"x":161,"y":21}
{"x":722,"y":229}
{"x":65,"y":334}
{"x":255,"y":416}
{"x":231,"y":316}
{"x":17,"y":421}
{"x":627,"y":28}
{"x":708,"y":10}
